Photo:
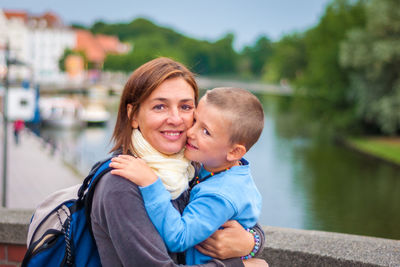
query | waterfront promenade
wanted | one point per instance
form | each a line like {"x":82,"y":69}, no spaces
{"x":34,"y":171}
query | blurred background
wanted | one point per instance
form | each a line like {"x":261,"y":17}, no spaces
{"x":327,"y":73}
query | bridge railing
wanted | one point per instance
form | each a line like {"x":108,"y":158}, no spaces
{"x":283,"y":246}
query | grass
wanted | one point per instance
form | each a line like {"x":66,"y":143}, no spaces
{"x":386,"y":148}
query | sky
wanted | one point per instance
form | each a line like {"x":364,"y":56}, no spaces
{"x":202,"y":19}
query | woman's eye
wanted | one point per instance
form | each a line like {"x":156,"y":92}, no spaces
{"x":159,"y":107}
{"x":187,"y":107}
{"x":205,"y":131}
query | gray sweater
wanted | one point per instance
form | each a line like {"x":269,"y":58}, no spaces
{"x":124,"y":233}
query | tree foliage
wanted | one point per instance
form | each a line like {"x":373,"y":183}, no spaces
{"x":372,"y":57}
{"x":257,"y":55}
{"x":67,"y":52}
{"x":287,"y":61}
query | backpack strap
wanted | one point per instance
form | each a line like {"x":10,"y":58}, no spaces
{"x":89,"y":185}
{"x":97,"y":168}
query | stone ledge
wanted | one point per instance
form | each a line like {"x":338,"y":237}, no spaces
{"x":14,"y":226}
{"x":292,"y":247}
{"x":284,"y":246}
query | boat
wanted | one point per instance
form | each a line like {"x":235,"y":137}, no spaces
{"x":95,"y":114}
{"x":61,"y":112}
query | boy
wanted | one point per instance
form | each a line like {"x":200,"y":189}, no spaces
{"x":227,"y":122}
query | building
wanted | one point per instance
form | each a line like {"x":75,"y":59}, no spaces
{"x":96,"y":47}
{"x":13,"y":31}
{"x":48,"y":38}
{"x":39,"y":41}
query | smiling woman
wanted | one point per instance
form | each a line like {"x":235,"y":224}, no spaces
{"x":156,"y":110}
{"x":165,"y":116}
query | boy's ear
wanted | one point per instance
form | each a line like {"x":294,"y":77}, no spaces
{"x":134,"y":123}
{"x":236,"y":153}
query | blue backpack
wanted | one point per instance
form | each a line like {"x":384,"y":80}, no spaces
{"x":60,"y":232}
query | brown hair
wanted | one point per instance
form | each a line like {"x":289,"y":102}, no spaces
{"x":141,"y":83}
{"x":243,"y":111}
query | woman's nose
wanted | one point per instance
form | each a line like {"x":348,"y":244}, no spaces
{"x":175,"y":117}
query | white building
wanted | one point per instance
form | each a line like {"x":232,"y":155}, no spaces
{"x":48,"y":39}
{"x":14,"y":31}
{"x":38,"y":41}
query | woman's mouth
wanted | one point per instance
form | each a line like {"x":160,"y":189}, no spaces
{"x":172,"y":135}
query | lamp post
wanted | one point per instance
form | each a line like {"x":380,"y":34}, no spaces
{"x":5,"y":126}
{"x":9,"y":62}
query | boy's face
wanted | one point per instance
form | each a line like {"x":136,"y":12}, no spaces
{"x":208,"y":139}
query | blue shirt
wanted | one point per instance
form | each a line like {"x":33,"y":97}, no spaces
{"x":228,"y":195}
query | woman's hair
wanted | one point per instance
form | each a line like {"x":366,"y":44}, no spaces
{"x":142,"y":82}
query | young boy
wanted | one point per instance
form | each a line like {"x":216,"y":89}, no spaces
{"x":227,"y":122}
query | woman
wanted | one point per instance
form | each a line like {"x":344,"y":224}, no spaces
{"x":158,"y":99}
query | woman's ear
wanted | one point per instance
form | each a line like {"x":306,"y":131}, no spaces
{"x":134,"y":123}
{"x":236,"y":153}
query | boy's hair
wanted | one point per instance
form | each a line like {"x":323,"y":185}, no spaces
{"x":244,"y":111}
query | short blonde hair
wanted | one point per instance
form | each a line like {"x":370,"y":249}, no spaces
{"x":243,"y":110}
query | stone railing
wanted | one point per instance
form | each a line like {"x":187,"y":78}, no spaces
{"x":284,"y":247}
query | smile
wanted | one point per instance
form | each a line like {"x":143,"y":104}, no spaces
{"x":190,"y":146}
{"x":172,"y":135}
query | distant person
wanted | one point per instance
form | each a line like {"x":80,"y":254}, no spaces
{"x":18,"y":126}
{"x":227,"y":122}
{"x":159,"y":98}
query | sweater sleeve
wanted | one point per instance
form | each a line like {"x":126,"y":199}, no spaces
{"x":124,"y":233}
{"x":261,"y":234}
{"x":201,"y":217}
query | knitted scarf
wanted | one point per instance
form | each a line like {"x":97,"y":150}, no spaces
{"x":175,"y":171}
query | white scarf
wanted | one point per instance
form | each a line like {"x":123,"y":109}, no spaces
{"x":175,"y":171}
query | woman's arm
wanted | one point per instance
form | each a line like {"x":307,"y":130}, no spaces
{"x":124,"y":233}
{"x":232,"y":241}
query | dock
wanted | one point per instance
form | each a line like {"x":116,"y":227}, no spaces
{"x":33,"y":171}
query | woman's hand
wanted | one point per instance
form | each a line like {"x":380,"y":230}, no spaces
{"x":230,"y":242}
{"x":254,"y":262}
{"x":134,"y":169}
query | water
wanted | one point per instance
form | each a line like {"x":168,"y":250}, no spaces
{"x":305,"y":184}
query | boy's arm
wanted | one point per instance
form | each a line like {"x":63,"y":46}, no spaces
{"x":123,"y":232}
{"x":201,"y":217}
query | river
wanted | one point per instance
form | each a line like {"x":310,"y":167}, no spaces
{"x":305,"y":183}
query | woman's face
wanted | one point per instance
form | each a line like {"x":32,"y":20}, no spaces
{"x":164,"y":117}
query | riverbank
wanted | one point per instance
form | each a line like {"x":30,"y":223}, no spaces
{"x":385,"y":148}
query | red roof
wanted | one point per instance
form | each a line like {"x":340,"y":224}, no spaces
{"x":109,"y":43}
{"x":85,"y":41}
{"x":16,"y":14}
{"x":52,"y":20}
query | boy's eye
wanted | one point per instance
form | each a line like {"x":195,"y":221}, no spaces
{"x":205,"y":131}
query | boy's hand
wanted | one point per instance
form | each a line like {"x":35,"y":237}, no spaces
{"x":134,"y":169}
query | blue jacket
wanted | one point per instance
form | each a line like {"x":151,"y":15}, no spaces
{"x":229,"y":195}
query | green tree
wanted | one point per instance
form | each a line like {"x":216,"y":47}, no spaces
{"x":288,"y":59}
{"x":67,"y":52}
{"x":372,"y":56}
{"x":323,"y":78}
{"x":258,"y":55}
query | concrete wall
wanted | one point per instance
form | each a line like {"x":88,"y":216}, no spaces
{"x":13,"y":231}
{"x":284,"y":247}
